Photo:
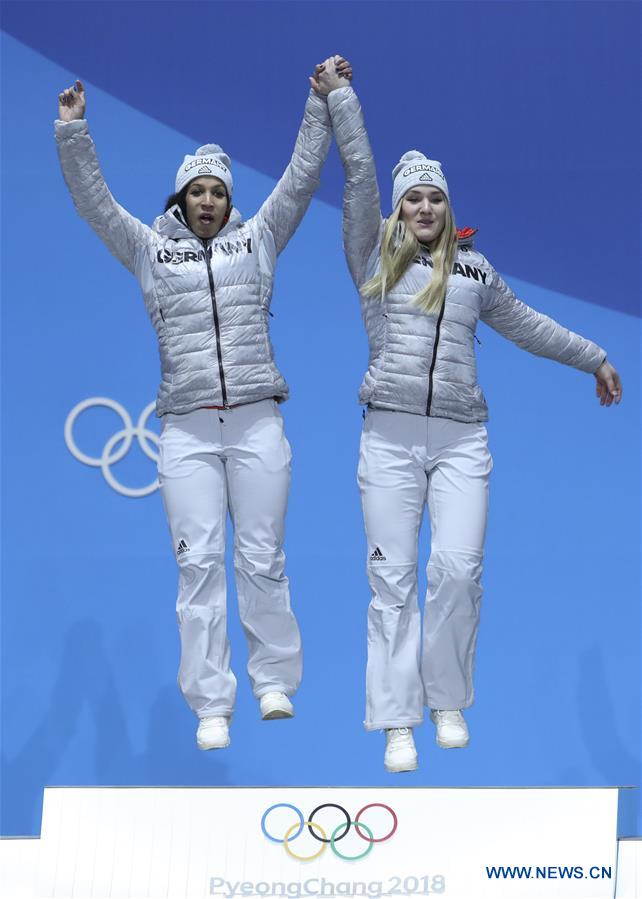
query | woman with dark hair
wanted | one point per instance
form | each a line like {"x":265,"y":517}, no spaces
{"x":179,"y":198}
{"x":423,"y":288}
{"x":206,"y":276}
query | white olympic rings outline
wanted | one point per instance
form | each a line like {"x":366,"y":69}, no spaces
{"x":110,"y":456}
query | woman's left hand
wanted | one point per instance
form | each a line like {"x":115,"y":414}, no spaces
{"x":608,"y":386}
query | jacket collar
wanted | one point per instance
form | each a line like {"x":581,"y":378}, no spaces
{"x":172,"y":224}
{"x":465,"y":236}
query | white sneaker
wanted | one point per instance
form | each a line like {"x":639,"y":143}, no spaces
{"x":213,"y":733}
{"x":275,"y":705}
{"x":452,"y":732}
{"x":401,"y":754}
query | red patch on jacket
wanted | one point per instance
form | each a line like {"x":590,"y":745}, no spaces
{"x":463,"y":233}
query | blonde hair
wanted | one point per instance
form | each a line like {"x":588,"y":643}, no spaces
{"x":399,"y":247}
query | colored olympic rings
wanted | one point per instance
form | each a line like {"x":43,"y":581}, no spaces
{"x":377,"y":805}
{"x":339,"y":832}
{"x":353,"y":858}
{"x":346,"y":825}
{"x":303,"y":858}
{"x":281,"y":805}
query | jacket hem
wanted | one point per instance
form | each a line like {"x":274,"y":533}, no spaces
{"x":184,"y":408}
{"x":434,"y":413}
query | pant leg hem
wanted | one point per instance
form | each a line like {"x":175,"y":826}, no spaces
{"x":273,"y":688}
{"x":449,"y":707}
{"x":384,"y":725}
{"x":214,"y":713}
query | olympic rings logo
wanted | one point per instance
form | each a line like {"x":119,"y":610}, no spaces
{"x":338,"y":833}
{"x":112,"y":452}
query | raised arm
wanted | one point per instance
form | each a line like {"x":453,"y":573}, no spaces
{"x":361,"y":204}
{"x":123,"y":234}
{"x":542,"y":336}
{"x":285,"y":207}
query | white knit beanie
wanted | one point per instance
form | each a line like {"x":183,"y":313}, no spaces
{"x":208,"y":160}
{"x":414,"y":170}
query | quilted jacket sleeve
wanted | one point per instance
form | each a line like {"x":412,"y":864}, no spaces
{"x":534,"y":331}
{"x":361,"y":206}
{"x":286,"y":205}
{"x":123,"y":234}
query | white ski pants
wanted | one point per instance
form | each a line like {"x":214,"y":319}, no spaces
{"x":405,"y":461}
{"x":210,"y":461}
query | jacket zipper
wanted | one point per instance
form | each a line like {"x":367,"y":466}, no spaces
{"x":217,"y":328}
{"x":434,"y":356}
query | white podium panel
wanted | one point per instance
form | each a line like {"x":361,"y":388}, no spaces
{"x":232,"y":843}
{"x":19,"y":857}
{"x":629,"y":869}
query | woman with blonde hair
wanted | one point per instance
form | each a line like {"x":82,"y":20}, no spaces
{"x":423,"y":288}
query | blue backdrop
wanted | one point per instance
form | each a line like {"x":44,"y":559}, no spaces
{"x":534,"y":110}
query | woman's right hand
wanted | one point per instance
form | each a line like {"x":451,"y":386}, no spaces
{"x":335,"y":72}
{"x":71,"y":103}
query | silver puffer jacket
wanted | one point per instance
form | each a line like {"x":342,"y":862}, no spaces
{"x":209,"y":305}
{"x":425,"y":363}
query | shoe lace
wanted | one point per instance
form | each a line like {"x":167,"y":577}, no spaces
{"x":399,"y":734}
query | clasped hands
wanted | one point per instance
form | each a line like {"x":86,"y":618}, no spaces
{"x":335,"y":72}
